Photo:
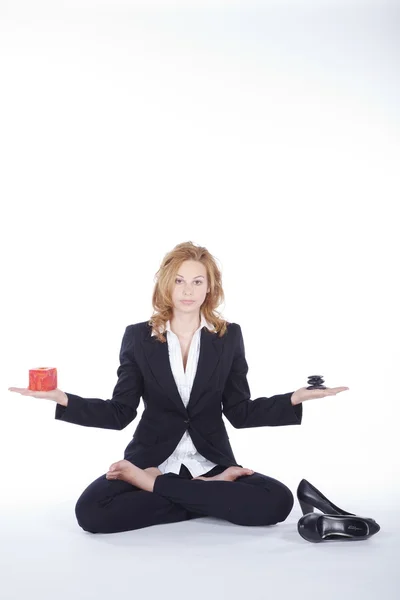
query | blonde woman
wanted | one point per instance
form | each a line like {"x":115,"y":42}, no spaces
{"x":189,"y":366}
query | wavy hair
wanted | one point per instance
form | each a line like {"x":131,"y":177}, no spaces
{"x":165,"y":279}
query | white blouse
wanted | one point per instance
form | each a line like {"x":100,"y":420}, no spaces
{"x":185,"y":452}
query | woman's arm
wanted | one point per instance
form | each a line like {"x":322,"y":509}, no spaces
{"x":63,"y":399}
{"x":116,"y":413}
{"x":243,"y":412}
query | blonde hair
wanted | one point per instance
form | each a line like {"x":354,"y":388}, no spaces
{"x":165,"y":279}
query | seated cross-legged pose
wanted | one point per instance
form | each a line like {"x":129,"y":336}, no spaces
{"x":189,"y":366}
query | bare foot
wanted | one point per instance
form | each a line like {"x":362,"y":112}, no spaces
{"x":230,"y":474}
{"x":127,"y":471}
{"x":153,"y":470}
{"x":123,"y":469}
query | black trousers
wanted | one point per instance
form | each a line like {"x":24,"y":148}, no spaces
{"x":111,"y":506}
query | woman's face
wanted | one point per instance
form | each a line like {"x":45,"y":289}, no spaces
{"x":190,"y":284}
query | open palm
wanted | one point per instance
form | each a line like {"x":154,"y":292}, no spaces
{"x":303,"y":394}
{"x":54,"y":395}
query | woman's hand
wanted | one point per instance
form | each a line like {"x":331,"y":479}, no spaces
{"x":56,"y":395}
{"x":304,"y":394}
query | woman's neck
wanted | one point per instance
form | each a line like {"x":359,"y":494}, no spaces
{"x":185,"y":326}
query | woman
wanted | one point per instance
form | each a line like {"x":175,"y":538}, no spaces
{"x":189,"y":366}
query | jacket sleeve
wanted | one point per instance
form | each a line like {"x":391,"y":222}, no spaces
{"x":243,"y":412}
{"x":118,"y":412}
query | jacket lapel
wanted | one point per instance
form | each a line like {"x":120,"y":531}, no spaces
{"x":156,"y":353}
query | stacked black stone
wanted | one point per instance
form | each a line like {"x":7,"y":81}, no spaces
{"x":316,"y":382}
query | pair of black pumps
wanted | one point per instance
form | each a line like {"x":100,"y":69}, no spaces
{"x":334,"y":524}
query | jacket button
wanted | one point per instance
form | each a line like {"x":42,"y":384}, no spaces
{"x":188,"y":421}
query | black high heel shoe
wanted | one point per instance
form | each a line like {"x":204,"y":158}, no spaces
{"x":324,"y":528}
{"x":309,"y":497}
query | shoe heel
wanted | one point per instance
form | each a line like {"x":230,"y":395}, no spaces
{"x":306,"y":508}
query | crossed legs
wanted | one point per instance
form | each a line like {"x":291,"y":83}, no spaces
{"x":114,"y":505}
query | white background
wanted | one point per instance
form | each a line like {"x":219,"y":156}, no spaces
{"x":267,"y":132}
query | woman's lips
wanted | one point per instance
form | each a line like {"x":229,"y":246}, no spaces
{"x":187,"y":301}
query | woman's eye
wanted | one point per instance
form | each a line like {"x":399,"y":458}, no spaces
{"x":179,"y":280}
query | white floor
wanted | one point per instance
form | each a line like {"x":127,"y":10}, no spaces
{"x":46,"y":555}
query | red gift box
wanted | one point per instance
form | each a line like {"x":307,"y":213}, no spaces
{"x":43,"y":379}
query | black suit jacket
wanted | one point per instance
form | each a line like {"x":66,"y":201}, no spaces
{"x":220,"y":387}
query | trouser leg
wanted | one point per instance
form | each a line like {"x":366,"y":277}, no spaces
{"x":111,"y":506}
{"x":249,"y":500}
